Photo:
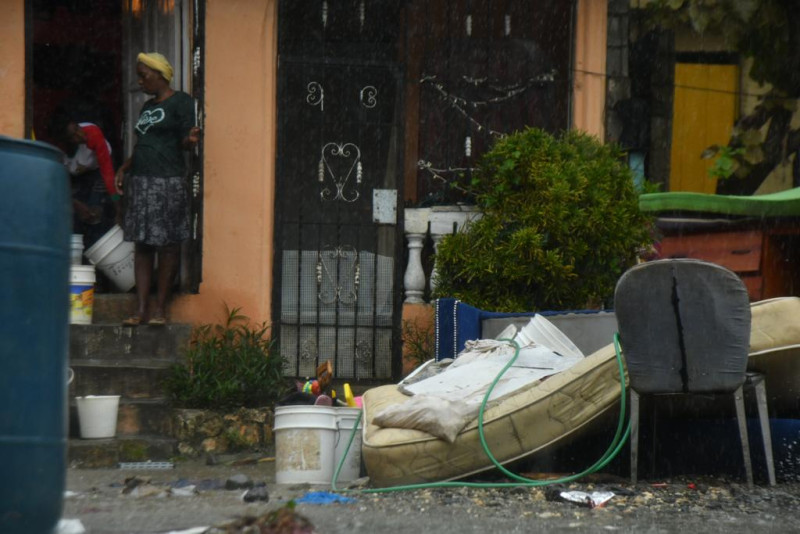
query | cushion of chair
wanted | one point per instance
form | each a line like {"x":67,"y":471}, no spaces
{"x":684,"y":326}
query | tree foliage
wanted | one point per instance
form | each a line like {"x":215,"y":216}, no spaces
{"x":560,"y":223}
{"x":768,"y":32}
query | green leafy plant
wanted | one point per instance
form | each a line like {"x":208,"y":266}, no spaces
{"x":727,"y":162}
{"x":229,"y":365}
{"x":417,"y":342}
{"x":560,"y":223}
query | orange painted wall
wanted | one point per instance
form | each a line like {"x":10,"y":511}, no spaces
{"x":589,"y":87}
{"x":239,"y":145}
{"x":12,"y":68}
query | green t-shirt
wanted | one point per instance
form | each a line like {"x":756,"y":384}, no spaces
{"x":160,"y":131}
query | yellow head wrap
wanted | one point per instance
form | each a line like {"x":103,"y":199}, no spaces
{"x":156,"y":61}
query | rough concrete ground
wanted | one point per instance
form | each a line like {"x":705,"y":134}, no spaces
{"x":680,"y":504}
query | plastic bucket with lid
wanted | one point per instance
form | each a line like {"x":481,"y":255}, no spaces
{"x":305,"y":438}
{"x":114,"y":257}
{"x":81,"y":294}
{"x":97,"y":415}
{"x":345,"y":421}
{"x":77,"y":249}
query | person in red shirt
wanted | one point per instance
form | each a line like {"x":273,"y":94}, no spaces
{"x":95,"y":199}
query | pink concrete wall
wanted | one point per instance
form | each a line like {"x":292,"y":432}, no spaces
{"x":239,"y":144}
{"x":12,"y":68}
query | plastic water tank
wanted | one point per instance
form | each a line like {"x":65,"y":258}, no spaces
{"x":34,"y":312}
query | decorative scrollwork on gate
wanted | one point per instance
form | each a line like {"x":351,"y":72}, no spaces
{"x":363,"y":352}
{"x":338,"y":268}
{"x":316,"y":95}
{"x":368,"y":96}
{"x":308,"y":351}
{"x":346,"y":158}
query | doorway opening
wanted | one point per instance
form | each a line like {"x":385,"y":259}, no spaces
{"x":82,"y":69}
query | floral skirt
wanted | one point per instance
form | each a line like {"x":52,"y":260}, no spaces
{"x":156,"y":210}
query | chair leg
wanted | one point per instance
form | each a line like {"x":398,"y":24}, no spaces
{"x":763,"y":417}
{"x":634,"y":437}
{"x":741,"y":417}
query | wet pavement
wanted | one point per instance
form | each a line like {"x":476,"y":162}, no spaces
{"x":193,"y":496}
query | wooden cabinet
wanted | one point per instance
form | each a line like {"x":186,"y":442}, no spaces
{"x":766,"y":258}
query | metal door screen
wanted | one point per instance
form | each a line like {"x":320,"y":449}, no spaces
{"x":339,"y":162}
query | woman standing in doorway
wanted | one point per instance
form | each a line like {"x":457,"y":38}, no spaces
{"x":154,"y":183}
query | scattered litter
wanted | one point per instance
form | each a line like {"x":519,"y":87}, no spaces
{"x":238,"y":481}
{"x":594,"y":499}
{"x":284,"y":519}
{"x":258,"y":493}
{"x":132,"y":482}
{"x":70,"y":526}
{"x":323,"y":497}
{"x":184,"y":491}
{"x":146,"y":465}
{"x":147,"y":490}
{"x":68,"y":494}
{"x":193,"y":530}
{"x":141,"y":487}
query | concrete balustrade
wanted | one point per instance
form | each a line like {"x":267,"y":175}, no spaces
{"x":433,"y":223}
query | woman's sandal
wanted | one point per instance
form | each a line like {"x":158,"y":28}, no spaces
{"x":133,"y":320}
{"x":157,"y":321}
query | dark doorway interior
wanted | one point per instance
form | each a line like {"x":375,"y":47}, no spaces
{"x":77,"y":54}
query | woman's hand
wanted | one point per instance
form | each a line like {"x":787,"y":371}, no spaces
{"x":120,"y":178}
{"x":192,"y":138}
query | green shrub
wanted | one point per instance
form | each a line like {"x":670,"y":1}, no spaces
{"x":418,"y":342}
{"x":228,"y":365}
{"x":560,"y":224}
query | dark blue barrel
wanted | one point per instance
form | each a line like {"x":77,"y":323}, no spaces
{"x":35,"y":233}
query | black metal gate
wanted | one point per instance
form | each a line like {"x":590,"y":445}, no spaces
{"x":339,"y":167}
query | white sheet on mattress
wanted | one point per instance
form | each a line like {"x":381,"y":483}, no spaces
{"x":468,"y":378}
{"x":446,"y":402}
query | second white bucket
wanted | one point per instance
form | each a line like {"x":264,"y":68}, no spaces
{"x":81,"y":294}
{"x":305,"y":439}
{"x":97,"y":415}
{"x":114,"y":257}
{"x":345,"y":421}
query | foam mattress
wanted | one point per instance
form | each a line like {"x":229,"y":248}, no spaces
{"x":556,"y":409}
{"x":780,"y":204}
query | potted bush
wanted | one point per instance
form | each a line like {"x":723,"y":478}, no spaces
{"x":560,"y":224}
{"x":226,"y":387}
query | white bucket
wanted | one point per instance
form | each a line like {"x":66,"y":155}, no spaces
{"x":76,"y":255}
{"x":81,"y":294}
{"x":97,"y":415}
{"x":345,"y":421}
{"x":114,"y":257}
{"x":304,"y":444}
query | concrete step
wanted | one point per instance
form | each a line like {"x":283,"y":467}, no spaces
{"x":145,"y":381}
{"x":112,"y":308}
{"x":140,"y":417}
{"x":118,"y":344}
{"x":98,"y":453}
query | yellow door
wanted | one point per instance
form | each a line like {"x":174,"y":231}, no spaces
{"x":704,"y":112}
